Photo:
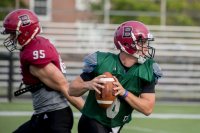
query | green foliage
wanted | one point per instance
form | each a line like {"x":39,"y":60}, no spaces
{"x":183,"y":12}
{"x":180,"y":19}
{"x":8,"y":5}
{"x":179,"y":12}
{"x":142,"y":5}
{"x":11,"y":3}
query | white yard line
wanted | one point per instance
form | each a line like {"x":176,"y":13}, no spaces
{"x":145,"y":130}
{"x":168,"y":116}
{"x":137,"y":115}
{"x":15,"y":113}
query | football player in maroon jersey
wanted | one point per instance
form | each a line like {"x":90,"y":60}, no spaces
{"x":43,"y":71}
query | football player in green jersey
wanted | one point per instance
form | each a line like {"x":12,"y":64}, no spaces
{"x":135,"y":72}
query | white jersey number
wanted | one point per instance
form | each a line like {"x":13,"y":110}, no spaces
{"x":38,"y":54}
{"x":113,"y":110}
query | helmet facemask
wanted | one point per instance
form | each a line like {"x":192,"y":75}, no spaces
{"x":138,"y":47}
{"x":143,"y":47}
{"x":11,"y":42}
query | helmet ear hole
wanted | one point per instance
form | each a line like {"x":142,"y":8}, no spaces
{"x":140,"y":38}
{"x":133,"y":45}
{"x":126,"y":44}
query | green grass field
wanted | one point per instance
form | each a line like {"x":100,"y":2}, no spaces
{"x":166,"y":118}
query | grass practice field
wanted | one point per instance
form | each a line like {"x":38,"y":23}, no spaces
{"x":166,"y":118}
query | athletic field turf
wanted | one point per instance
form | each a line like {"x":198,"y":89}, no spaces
{"x":166,"y":118}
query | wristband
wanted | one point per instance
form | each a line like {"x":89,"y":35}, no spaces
{"x":125,"y":94}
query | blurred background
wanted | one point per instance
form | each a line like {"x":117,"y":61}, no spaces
{"x":80,"y":27}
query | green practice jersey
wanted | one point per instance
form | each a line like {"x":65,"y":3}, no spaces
{"x":120,"y":111}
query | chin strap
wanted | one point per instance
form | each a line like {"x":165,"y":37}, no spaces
{"x":17,"y":45}
{"x":140,"y":59}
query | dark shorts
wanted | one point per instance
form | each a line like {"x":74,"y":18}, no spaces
{"x":59,"y":121}
{"x":87,"y":125}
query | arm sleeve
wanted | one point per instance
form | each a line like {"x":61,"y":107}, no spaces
{"x":90,"y":62}
{"x":148,"y":87}
{"x":87,"y":76}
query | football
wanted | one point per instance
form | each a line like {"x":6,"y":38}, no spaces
{"x":106,"y":98}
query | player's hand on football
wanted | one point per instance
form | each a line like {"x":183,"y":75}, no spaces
{"x":97,"y":83}
{"x":119,"y":88}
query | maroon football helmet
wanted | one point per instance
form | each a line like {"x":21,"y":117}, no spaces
{"x":133,"y":36}
{"x":22,"y":25}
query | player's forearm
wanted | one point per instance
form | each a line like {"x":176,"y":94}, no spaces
{"x":62,"y":86}
{"x":59,"y":83}
{"x":77,"y":102}
{"x":78,"y":87}
{"x":77,"y":90}
{"x":142,"y":105}
{"x":53,"y":78}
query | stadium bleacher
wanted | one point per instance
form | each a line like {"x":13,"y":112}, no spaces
{"x":177,"y":52}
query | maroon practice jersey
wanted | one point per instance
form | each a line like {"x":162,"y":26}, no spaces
{"x":39,"y":52}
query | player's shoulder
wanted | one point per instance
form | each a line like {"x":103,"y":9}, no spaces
{"x":42,"y":42}
{"x":40,"y":46}
{"x":36,"y":43}
{"x":101,"y":56}
{"x":90,"y":60}
{"x":96,"y":55}
{"x":104,"y":53}
{"x":157,"y":71}
{"x":152,"y":63}
{"x":152,"y":67}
